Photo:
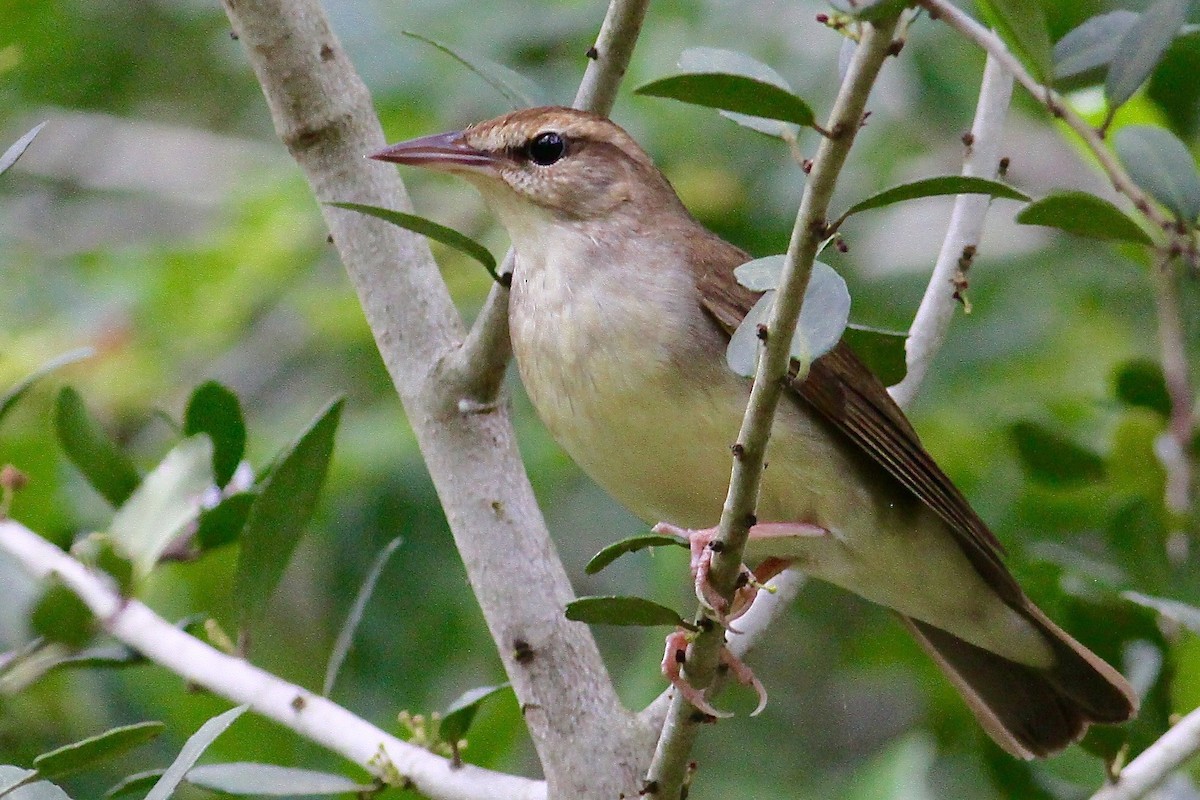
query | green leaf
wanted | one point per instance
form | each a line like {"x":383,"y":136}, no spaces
{"x":1140,"y":383}
{"x":458,"y":716}
{"x":1086,"y":50}
{"x":223,"y":523}
{"x":268,"y":780}
{"x":1180,"y":613}
{"x":10,"y":398}
{"x":882,"y":351}
{"x":761,"y":274}
{"x":936,"y":187}
{"x":19,"y":147}
{"x":164,"y":505}
{"x":1022,"y":26}
{"x":429,"y":228}
{"x":103,"y":464}
{"x":281,"y":511}
{"x":1084,"y":215}
{"x":1053,"y":459}
{"x":613,"y":610}
{"x":136,"y":784}
{"x":85,"y":753}
{"x":346,"y":635}
{"x":60,"y":616}
{"x":215,"y":410}
{"x":1140,"y":49}
{"x":702,"y":59}
{"x":631,"y":545}
{"x":518,"y":90}
{"x":193,"y":748}
{"x":732,"y":81}
{"x":1161,"y":164}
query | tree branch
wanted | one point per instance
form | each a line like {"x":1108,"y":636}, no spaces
{"x":932,"y":321}
{"x":1054,"y":103}
{"x":667,"y":771}
{"x":589,"y":746}
{"x":1156,"y":762}
{"x":292,"y":706}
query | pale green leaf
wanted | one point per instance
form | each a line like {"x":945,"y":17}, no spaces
{"x":246,"y":779}
{"x":345,"y":638}
{"x":1141,"y":48}
{"x":10,"y":398}
{"x":166,"y":502}
{"x":1088,"y":48}
{"x":18,"y":148}
{"x":193,"y":748}
{"x":518,"y":90}
{"x":1161,"y":164}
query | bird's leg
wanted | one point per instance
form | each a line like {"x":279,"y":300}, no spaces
{"x":672,"y":666}
{"x":749,"y":582}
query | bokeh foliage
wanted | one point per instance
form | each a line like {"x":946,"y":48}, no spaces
{"x":157,"y":221}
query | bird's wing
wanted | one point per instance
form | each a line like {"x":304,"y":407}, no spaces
{"x":847,"y":394}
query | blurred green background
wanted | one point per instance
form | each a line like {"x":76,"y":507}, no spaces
{"x":157,"y":220}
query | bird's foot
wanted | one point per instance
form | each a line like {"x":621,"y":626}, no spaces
{"x":672,"y":666}
{"x":749,"y":582}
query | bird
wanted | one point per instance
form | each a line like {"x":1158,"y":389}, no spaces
{"x":621,"y":308}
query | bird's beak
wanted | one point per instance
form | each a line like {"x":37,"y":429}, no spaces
{"x":446,"y":152}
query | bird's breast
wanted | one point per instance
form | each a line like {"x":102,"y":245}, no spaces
{"x":617,"y":359}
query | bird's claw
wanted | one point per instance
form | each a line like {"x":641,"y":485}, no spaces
{"x":672,"y":666}
{"x":723,"y":611}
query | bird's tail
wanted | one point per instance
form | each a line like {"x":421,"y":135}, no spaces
{"x":1031,"y":712}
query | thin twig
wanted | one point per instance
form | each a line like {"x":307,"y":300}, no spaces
{"x":1054,"y":103}
{"x":307,"y":713}
{"x":938,"y":306}
{"x":668,"y":769}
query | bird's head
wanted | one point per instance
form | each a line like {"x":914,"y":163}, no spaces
{"x":546,"y":165}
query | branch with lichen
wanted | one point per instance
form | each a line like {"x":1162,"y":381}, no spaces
{"x":310,"y":715}
{"x":668,"y":771}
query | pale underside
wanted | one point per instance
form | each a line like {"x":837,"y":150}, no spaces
{"x":648,"y":412}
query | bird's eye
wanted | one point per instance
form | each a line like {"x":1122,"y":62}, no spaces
{"x":546,"y":148}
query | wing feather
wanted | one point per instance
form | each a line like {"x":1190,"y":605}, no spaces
{"x":848,"y":395}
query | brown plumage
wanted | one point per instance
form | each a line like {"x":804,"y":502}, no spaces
{"x":621,"y":308}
